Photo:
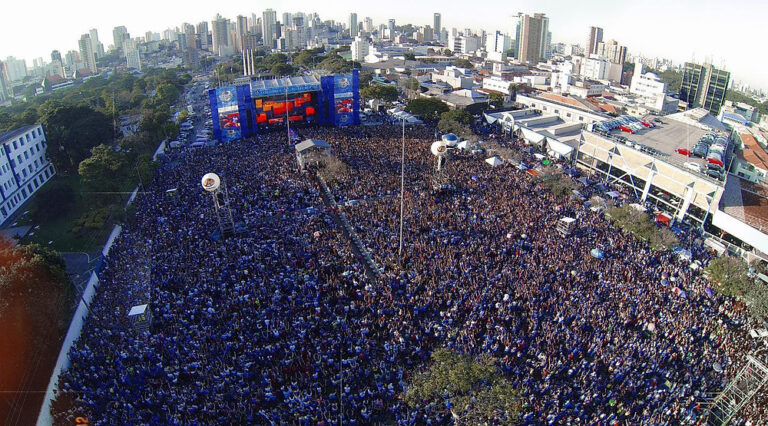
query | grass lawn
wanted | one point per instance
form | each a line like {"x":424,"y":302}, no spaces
{"x":59,"y":230}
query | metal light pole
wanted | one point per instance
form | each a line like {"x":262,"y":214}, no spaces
{"x":287,"y":122}
{"x":402,"y":194}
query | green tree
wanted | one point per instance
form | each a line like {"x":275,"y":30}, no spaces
{"x":410,"y":56}
{"x":72,"y":131}
{"x":457,"y":122}
{"x":463,"y":63}
{"x":640,"y":224}
{"x":384,"y":93}
{"x":280,"y":70}
{"x":447,"y":52}
{"x":555,"y":180}
{"x":429,"y":108}
{"x":104,"y":170}
{"x":146,"y":169}
{"x":497,"y":100}
{"x":729,"y":275}
{"x":412,"y":83}
{"x":475,"y":391}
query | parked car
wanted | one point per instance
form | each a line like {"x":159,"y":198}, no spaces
{"x":692,"y":166}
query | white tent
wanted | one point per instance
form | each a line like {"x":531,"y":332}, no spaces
{"x":494,"y":161}
{"x":560,"y":148}
{"x":532,"y":136}
{"x":463,"y":145}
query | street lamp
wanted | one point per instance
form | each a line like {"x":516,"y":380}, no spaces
{"x":402,"y":187}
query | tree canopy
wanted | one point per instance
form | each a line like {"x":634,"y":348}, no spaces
{"x":72,"y":131}
{"x":474,"y":391}
{"x":384,"y":93}
{"x":429,"y":108}
{"x":639,"y":224}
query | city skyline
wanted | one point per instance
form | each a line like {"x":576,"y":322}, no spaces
{"x":713,"y":30}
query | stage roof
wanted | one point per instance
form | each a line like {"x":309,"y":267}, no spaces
{"x":277,"y":86}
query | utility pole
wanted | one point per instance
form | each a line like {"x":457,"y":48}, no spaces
{"x":402,"y":194}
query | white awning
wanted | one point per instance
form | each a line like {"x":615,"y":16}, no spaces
{"x":493,"y":161}
{"x":532,"y":136}
{"x":559,"y":147}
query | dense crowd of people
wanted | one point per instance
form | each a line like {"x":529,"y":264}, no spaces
{"x":283,"y":326}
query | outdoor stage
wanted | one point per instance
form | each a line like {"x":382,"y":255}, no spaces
{"x":244,"y":110}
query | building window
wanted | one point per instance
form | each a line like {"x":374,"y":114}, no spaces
{"x":568,"y":115}
{"x":15,"y":145}
{"x":26,"y":155}
{"x":581,"y":118}
{"x":24,"y":172}
{"x":27,"y":136}
{"x":19,"y":158}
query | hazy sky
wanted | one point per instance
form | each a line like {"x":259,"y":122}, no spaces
{"x":732,"y":33}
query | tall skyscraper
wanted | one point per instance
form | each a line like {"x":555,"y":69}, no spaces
{"x":359,"y":49}
{"x":98,"y":48}
{"x":241,"y":28}
{"x":86,"y":52}
{"x":220,"y":32}
{"x":612,"y":51}
{"x":368,"y":24}
{"x":202,"y":35}
{"x":595,"y":37}
{"x":437,"y":25}
{"x":268,"y":30}
{"x":704,"y":86}
{"x":391,"y":27}
{"x":287,"y":19}
{"x":3,"y":83}
{"x":353,"y":31}
{"x":533,"y":38}
{"x":133,"y":58}
{"x":119,"y":36}
{"x":15,"y":69}
{"x":516,"y":22}
{"x":498,"y":43}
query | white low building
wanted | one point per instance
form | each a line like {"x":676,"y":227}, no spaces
{"x":497,"y":84}
{"x":652,"y":91}
{"x":456,"y":77}
{"x":23,"y":167}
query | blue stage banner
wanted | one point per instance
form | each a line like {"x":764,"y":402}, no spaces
{"x":271,"y":91}
{"x":228,"y":114}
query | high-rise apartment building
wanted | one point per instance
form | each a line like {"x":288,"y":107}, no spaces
{"x":220,"y":33}
{"x":87,"y":54}
{"x":133,"y":58}
{"x":595,"y":37}
{"x":437,"y":26}
{"x":268,"y":30}
{"x":391,"y":27}
{"x":119,"y":36}
{"x":368,"y":24}
{"x":241,"y":29}
{"x":533,"y":38}
{"x":98,"y":47}
{"x":704,"y":86}
{"x":353,"y":30}
{"x":612,"y":51}
{"x":360,"y":49}
{"x":516,"y":22}
{"x":15,"y":69}
{"x":202,"y":35}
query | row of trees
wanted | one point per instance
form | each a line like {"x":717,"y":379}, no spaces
{"x":36,"y":301}
{"x":731,"y":277}
{"x":638,"y":223}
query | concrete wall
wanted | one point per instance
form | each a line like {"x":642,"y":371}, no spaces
{"x":75,"y":328}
